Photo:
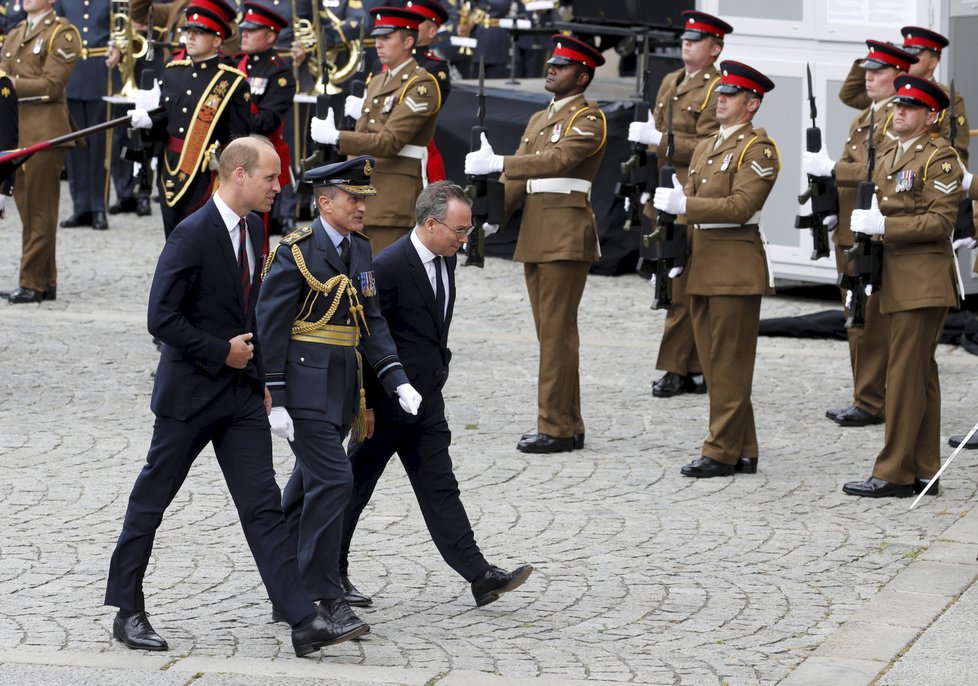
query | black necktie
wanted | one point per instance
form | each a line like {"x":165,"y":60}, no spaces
{"x":439,"y":290}
{"x":345,"y":253}
{"x":243,"y":262}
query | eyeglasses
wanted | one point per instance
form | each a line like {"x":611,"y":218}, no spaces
{"x":460,"y":231}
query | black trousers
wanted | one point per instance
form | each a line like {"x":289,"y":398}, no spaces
{"x":236,"y":423}
{"x":86,"y":163}
{"x":422,"y":443}
{"x":314,"y":500}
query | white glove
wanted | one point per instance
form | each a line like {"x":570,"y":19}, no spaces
{"x":645,"y":197}
{"x":3,"y":205}
{"x":868,"y":290}
{"x":489,"y":229}
{"x":848,"y":299}
{"x":483,"y":161}
{"x":966,"y":243}
{"x":140,"y":119}
{"x":671,"y":200}
{"x":869,"y":221}
{"x":644,"y":132}
{"x":675,"y":271}
{"x":966,"y":181}
{"x":324,"y":131}
{"x":353,"y":107}
{"x":148,"y":99}
{"x":409,"y":398}
{"x":281,"y":423}
{"x":628,"y":204}
{"x":830,"y":222}
{"x":817,"y":163}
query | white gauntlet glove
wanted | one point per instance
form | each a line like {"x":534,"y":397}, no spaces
{"x":324,"y":131}
{"x":671,"y":200}
{"x":644,"y":132}
{"x":817,"y":163}
{"x":870,"y":222}
{"x":353,"y":107}
{"x":489,"y":229}
{"x":148,"y":99}
{"x":483,"y":161}
{"x":140,"y":119}
{"x":409,"y":398}
{"x":281,"y":423}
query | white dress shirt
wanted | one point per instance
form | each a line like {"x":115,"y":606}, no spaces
{"x":233,"y":223}
{"x":428,"y":260}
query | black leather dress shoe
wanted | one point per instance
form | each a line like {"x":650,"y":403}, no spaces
{"x":856,"y":416}
{"x":25,"y":295}
{"x":834,"y":412}
{"x":955,"y":441}
{"x":746,"y":465}
{"x":544,"y":443}
{"x":669,"y":385}
{"x":920,"y":484}
{"x":493,"y":582}
{"x":578,"y":439}
{"x":877,"y":488}
{"x":99,"y":221}
{"x":353,"y":595}
{"x":142,"y":207}
{"x":695,"y":383}
{"x":124,"y":206}
{"x":338,"y":612}
{"x":137,"y":633}
{"x":318,"y":633}
{"x":76,"y":219}
{"x":50,"y":293}
{"x":705,"y":467}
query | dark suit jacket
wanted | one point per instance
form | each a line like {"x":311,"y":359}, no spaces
{"x":313,"y":380}
{"x":195,"y":307}
{"x":408,"y":304}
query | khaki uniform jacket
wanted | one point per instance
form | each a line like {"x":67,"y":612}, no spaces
{"x":729,"y":186}
{"x":853,"y":93}
{"x":694,"y":114}
{"x":569,"y":145}
{"x":402,"y":111}
{"x":42,"y":61}
{"x":851,"y":166}
{"x":919,"y":197}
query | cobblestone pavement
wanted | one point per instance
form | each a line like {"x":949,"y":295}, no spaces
{"x":641,"y":575}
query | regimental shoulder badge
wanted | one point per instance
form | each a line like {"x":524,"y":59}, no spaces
{"x":904,"y":180}
{"x":591,"y":117}
{"x":767,"y":153}
{"x":282,"y":82}
{"x":297,"y":235}
{"x":946,"y":167}
{"x":69,"y":36}
{"x":422,"y":90}
{"x":368,"y":284}
{"x":247,"y":96}
{"x":5,"y":92}
{"x":442,"y":75}
{"x":961,"y":120}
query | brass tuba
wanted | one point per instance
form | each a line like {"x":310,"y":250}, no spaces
{"x":353,"y":48}
{"x":307,"y":34}
{"x":131,"y":44}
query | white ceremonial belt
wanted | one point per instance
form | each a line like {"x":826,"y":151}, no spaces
{"x":415,"y":152}
{"x":557,"y":185}
{"x":755,"y":219}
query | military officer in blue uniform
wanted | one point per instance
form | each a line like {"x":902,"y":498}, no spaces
{"x":206,"y":103}
{"x":88,"y":85}
{"x":319,"y":321}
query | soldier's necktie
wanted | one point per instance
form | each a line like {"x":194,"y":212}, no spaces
{"x":243,"y":262}
{"x":439,"y":290}
{"x":345,"y":253}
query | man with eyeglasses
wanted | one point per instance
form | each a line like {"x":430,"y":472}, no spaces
{"x":206,"y":104}
{"x":416,"y":282}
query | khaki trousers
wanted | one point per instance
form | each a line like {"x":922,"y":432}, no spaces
{"x":725,"y":328}
{"x":555,"y":290}
{"x":911,"y":446}
{"x":37,"y":191}
{"x":677,"y":349}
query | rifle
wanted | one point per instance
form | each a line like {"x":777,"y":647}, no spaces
{"x":668,"y":238}
{"x":865,"y":253}
{"x":821,"y":189}
{"x":964,"y":224}
{"x":486,"y":193}
{"x":137,"y":151}
{"x":638,"y":171}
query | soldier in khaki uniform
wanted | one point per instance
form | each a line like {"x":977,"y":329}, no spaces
{"x":694,"y":117}
{"x":398,"y":120}
{"x":867,"y":346}
{"x":730,"y":177}
{"x":551,"y":174}
{"x":39,"y":56}
{"x":918,"y":186}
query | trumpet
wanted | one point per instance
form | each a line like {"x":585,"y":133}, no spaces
{"x":131,"y":44}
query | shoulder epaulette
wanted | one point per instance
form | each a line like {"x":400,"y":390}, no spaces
{"x":61,"y":24}
{"x":178,"y":63}
{"x":297,"y":235}
{"x":233,"y":70}
{"x":934,"y":154}
{"x":588,"y":106}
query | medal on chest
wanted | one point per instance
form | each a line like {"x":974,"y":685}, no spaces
{"x":258,"y":85}
{"x":389,"y":104}
{"x":725,"y":165}
{"x":368,"y":285}
{"x":38,"y":44}
{"x":555,"y":136}
{"x":904,"y":180}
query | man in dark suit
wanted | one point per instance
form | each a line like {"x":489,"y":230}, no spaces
{"x":416,"y":282}
{"x":210,"y":389}
{"x":318,"y":303}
